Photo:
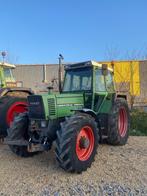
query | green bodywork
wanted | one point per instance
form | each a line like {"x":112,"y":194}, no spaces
{"x":94,"y":100}
{"x":5,"y":76}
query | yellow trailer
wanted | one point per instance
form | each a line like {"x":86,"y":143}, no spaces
{"x":131,"y":80}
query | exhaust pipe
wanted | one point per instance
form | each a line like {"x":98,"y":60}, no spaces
{"x":60,"y":72}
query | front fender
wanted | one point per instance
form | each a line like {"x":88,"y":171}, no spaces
{"x":87,"y":111}
{"x":4,"y":91}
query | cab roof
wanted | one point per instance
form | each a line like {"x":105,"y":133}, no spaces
{"x":7,"y":65}
{"x":85,"y":64}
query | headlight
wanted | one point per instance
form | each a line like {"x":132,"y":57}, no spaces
{"x":43,"y":124}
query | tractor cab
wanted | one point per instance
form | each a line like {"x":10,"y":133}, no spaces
{"x":6,"y":75}
{"x":94,"y":80}
{"x":88,"y":76}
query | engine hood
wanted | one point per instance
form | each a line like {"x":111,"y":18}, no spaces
{"x":69,"y":99}
{"x":66,"y":103}
{"x":61,"y":105}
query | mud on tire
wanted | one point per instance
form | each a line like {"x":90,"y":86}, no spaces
{"x":71,"y":156}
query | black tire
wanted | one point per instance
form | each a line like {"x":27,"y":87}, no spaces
{"x":66,"y":143}
{"x":119,"y":123}
{"x":17,"y":131}
{"x":5,"y":103}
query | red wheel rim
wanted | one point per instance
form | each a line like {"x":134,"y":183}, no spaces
{"x":83,"y":154}
{"x":15,"y":109}
{"x":122,"y":122}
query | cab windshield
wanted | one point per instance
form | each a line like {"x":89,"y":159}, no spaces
{"x":8,"y":73}
{"x":78,"y":80}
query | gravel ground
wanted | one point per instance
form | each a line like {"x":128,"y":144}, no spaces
{"x":116,"y":171}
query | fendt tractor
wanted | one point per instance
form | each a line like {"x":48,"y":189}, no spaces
{"x":86,"y":110}
{"x":13,"y":99}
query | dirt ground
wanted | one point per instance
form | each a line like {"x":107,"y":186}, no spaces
{"x":116,"y":171}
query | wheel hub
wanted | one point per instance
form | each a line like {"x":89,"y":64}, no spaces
{"x":84,"y":143}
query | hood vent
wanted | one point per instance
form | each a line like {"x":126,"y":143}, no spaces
{"x":51,"y":107}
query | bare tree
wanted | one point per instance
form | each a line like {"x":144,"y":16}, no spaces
{"x":112,"y":52}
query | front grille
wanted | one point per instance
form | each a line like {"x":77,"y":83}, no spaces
{"x":51,"y":107}
{"x":36,"y":107}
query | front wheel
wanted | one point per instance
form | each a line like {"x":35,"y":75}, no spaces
{"x":119,"y":123}
{"x":77,"y":143}
{"x":19,"y":131}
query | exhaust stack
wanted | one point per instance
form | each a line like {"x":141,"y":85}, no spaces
{"x":60,"y":72}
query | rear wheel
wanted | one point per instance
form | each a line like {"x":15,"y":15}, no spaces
{"x":119,"y":123}
{"x":9,"y":108}
{"x":77,"y":143}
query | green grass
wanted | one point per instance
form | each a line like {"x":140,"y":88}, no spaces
{"x":138,"y":123}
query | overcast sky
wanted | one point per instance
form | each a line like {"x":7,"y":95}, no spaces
{"x":36,"y":31}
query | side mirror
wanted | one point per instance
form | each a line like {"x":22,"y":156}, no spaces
{"x":105,"y":69}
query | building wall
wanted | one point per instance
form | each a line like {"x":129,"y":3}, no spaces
{"x":32,"y":76}
{"x":143,"y":80}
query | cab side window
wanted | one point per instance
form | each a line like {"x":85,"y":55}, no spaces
{"x":109,"y":82}
{"x":100,"y":83}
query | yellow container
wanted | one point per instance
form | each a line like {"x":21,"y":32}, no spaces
{"x":126,"y":76}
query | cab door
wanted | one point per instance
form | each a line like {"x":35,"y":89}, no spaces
{"x":104,"y":92}
{"x":109,"y":85}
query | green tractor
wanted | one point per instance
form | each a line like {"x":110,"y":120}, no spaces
{"x":86,"y":110}
{"x":13,"y":99}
